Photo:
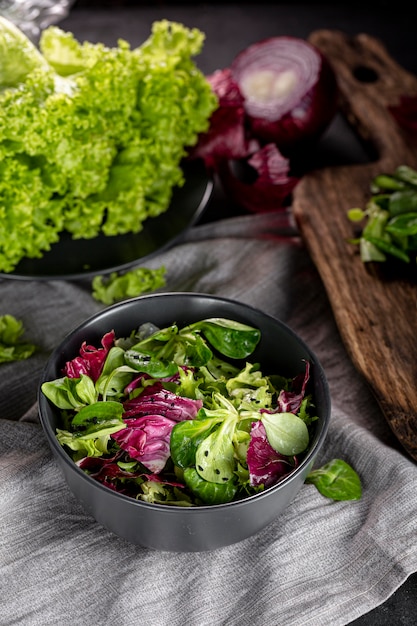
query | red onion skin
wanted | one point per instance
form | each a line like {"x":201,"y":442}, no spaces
{"x":318,"y":107}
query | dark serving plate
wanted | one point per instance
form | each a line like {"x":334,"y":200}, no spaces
{"x":73,"y":259}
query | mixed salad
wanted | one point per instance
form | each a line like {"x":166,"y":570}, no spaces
{"x":180,"y":416}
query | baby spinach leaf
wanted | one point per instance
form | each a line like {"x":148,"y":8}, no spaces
{"x":232,"y":339}
{"x":287,"y":433}
{"x":186,"y":436}
{"x":150,"y":365}
{"x":196,"y":352}
{"x":152,"y":338}
{"x":94,"y":417}
{"x":336,"y":480}
{"x":208,"y":492}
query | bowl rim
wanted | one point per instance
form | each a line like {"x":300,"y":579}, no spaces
{"x":57,"y":449}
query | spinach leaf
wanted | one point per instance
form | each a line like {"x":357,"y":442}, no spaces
{"x":147,"y":364}
{"x":232,"y":339}
{"x":403,"y":225}
{"x":208,"y":492}
{"x":336,"y":480}
{"x":186,"y":436}
{"x":193,"y":349}
{"x":404,"y":201}
{"x":94,"y":417}
{"x":152,"y":338}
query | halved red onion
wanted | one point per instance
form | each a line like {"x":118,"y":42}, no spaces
{"x":272,"y":184}
{"x":289,"y":89}
{"x":277,"y":98}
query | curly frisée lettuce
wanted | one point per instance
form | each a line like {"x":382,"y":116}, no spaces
{"x":91,"y":137}
{"x":171,"y":416}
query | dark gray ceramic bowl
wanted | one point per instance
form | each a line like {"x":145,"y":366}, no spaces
{"x":170,"y":527}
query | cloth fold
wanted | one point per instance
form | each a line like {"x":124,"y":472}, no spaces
{"x":319,"y":563}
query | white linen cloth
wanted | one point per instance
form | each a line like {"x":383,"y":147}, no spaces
{"x":319,"y":563}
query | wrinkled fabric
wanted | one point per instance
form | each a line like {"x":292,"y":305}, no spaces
{"x":319,"y":563}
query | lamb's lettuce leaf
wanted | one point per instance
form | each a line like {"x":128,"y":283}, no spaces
{"x":12,"y":346}
{"x":136,"y":282}
{"x":336,"y":480}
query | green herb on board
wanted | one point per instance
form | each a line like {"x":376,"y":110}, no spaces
{"x":390,"y":218}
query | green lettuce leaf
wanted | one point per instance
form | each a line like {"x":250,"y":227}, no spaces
{"x":18,"y":55}
{"x":133,"y":283}
{"x":12,"y":347}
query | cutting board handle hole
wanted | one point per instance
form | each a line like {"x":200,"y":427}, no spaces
{"x":365,"y":74}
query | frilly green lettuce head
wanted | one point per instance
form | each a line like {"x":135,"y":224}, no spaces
{"x":92,"y":137}
{"x":19,"y":56}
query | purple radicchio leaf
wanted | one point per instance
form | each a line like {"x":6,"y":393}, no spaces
{"x":136,"y":382}
{"x":290,"y":401}
{"x":266,"y":465}
{"x":100,"y":468}
{"x":90,"y":360}
{"x":147,"y":440}
{"x":106,"y":470}
{"x":226,"y":137}
{"x":160,"y":401}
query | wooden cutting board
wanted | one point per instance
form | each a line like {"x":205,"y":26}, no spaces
{"x":376,"y":315}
